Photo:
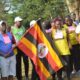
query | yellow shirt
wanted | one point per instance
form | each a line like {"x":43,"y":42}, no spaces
{"x":61,"y":43}
{"x":72,"y":34}
{"x":15,"y":51}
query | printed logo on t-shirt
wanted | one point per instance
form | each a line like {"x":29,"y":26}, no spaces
{"x":6,"y":39}
{"x":58,"y":35}
{"x":71,"y":28}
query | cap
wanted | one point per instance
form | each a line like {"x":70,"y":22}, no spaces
{"x":32,"y":23}
{"x":18,"y":19}
{"x":2,"y":22}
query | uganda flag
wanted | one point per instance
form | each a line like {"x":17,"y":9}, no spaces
{"x":37,"y":45}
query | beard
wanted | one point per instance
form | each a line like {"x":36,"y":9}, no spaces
{"x":4,"y":31}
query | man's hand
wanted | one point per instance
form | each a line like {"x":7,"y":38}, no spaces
{"x":13,"y":46}
{"x":70,"y":46}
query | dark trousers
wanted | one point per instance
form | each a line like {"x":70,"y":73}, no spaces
{"x":75,"y":57}
{"x":53,"y":76}
{"x":66,"y":68}
{"x":34,"y":75}
{"x":19,"y":66}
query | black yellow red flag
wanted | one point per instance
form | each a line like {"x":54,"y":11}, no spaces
{"x":39,"y":47}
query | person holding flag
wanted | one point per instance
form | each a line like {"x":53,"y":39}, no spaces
{"x":34,"y":75}
{"x":37,"y":45}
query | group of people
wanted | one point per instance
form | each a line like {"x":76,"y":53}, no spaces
{"x":10,"y":55}
{"x":66,"y":36}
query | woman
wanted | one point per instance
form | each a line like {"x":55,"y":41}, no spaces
{"x":70,"y":28}
{"x":59,"y":36}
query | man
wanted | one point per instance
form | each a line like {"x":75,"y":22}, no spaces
{"x":7,"y":57}
{"x":18,"y":31}
{"x":73,"y":17}
{"x":34,"y":75}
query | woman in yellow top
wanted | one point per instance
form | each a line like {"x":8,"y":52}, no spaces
{"x":74,"y":49}
{"x":59,"y":36}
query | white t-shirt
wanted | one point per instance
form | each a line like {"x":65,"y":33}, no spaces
{"x":78,"y":29}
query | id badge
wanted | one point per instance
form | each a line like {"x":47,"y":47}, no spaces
{"x":70,"y":29}
{"x":6,"y":39}
{"x":58,"y":35}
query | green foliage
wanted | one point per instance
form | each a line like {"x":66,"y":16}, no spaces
{"x":34,"y":9}
{"x":46,"y":9}
{"x":1,"y":10}
{"x":71,"y":1}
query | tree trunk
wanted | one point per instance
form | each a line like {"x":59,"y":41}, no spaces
{"x":73,"y":7}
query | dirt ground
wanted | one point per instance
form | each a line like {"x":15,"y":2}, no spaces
{"x":30,"y":70}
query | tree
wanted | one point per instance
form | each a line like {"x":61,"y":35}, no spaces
{"x":46,"y":9}
{"x":34,"y":9}
{"x":73,"y":6}
{"x":1,"y":10}
{"x":4,"y":8}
